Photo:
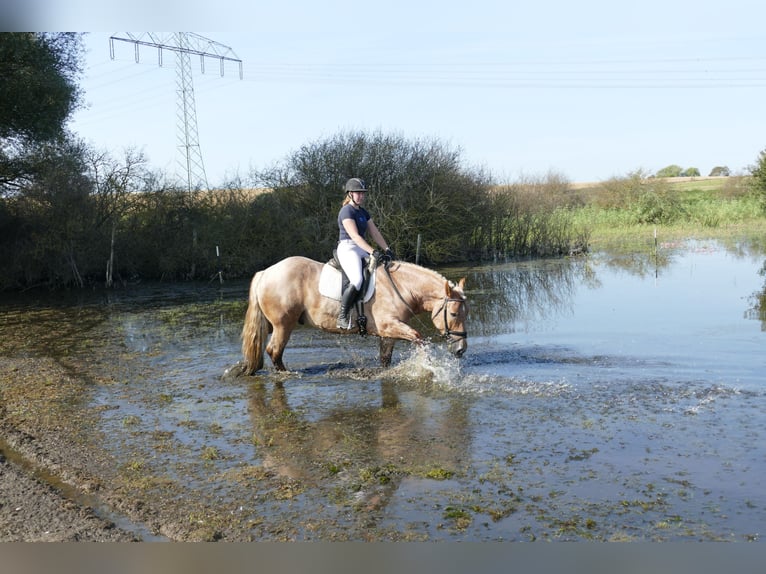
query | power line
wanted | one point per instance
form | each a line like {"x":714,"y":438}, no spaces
{"x":718,"y":72}
{"x":184,"y":45}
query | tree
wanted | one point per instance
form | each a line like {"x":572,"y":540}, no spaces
{"x":113,"y":183}
{"x":670,"y":171}
{"x":758,"y":182}
{"x":720,"y":170}
{"x":418,"y":187}
{"x":38,"y":94}
{"x":690,"y":172}
{"x":51,"y":231}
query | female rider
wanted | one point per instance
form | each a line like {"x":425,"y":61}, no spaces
{"x":353,"y":223}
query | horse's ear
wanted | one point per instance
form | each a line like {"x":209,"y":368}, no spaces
{"x":461,"y":284}
{"x":447,"y":288}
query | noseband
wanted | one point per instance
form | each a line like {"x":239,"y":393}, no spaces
{"x":449,"y":333}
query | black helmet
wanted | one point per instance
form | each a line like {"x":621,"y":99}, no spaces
{"x":355,"y":184}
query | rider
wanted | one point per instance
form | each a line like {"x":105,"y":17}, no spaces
{"x":353,"y":223}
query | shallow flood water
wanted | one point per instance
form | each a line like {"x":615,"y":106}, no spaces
{"x":606,"y":398}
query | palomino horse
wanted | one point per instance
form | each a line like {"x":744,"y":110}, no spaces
{"x":287,"y":293}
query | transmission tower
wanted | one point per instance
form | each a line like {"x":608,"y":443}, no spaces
{"x":184,"y":45}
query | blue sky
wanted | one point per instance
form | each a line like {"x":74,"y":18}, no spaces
{"x":589,"y":89}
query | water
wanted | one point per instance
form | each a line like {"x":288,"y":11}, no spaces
{"x":607,"y":398}
{"x":688,"y":323}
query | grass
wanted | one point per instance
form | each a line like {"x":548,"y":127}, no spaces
{"x":716,"y":208}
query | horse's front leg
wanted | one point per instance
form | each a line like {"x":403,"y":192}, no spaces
{"x":391,"y":330}
{"x":386,"y":351}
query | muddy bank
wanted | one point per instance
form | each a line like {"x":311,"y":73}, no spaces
{"x":57,"y":484}
{"x":42,"y":499}
{"x":33,"y":511}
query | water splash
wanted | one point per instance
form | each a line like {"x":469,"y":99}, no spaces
{"x":428,"y":366}
{"x":431,"y":368}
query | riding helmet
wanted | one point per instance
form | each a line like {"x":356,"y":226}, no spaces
{"x":355,"y":184}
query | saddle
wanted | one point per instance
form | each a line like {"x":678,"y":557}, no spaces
{"x":333,"y":282}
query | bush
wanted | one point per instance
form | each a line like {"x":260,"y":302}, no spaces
{"x":619,"y":192}
{"x":758,"y":181}
{"x":418,"y":187}
{"x":657,"y":206}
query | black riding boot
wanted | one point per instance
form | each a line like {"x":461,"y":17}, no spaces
{"x":344,"y":319}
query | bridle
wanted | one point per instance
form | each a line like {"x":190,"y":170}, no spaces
{"x":449,"y":333}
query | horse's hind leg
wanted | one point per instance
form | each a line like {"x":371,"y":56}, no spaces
{"x":277,"y":344}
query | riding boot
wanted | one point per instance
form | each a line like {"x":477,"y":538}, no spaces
{"x":344,"y":319}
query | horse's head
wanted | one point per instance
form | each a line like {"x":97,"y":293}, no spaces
{"x":450,"y":317}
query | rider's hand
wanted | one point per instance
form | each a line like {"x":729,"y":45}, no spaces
{"x":377,"y":255}
{"x":389,"y":254}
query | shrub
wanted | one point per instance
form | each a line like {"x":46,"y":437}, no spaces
{"x":758,"y":180}
{"x":418,"y":187}
{"x":657,"y":206}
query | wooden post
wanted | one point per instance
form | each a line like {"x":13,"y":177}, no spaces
{"x":220,"y":271}
{"x":417,"y":251}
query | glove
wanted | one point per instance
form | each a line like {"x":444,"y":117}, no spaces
{"x":389,"y":254}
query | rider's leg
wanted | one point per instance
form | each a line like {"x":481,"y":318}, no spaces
{"x":350,"y":257}
{"x":344,"y":319}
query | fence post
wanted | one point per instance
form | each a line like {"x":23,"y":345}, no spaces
{"x":417,"y":251}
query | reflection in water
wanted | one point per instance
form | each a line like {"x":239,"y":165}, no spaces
{"x":758,"y":300}
{"x":367,"y":447}
{"x":537,"y":289}
{"x":531,"y":291}
{"x":642,"y":264}
{"x":503,"y":295}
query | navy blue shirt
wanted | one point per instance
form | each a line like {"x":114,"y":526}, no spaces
{"x":358,"y":214}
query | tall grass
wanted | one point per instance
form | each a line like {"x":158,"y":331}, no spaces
{"x":531,"y":217}
{"x":624,"y":211}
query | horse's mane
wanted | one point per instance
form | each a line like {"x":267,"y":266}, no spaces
{"x":435,"y":274}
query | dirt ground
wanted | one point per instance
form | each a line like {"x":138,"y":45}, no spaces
{"x":32,"y":511}
{"x":41,"y":499}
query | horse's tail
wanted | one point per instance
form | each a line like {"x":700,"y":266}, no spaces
{"x":254,"y":332}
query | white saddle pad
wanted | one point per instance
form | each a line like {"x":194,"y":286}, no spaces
{"x":331,"y":283}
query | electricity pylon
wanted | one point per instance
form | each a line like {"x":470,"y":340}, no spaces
{"x":184,"y":44}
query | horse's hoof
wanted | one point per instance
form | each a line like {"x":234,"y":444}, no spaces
{"x":237,"y":370}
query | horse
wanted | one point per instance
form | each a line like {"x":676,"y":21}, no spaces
{"x":287,"y":294}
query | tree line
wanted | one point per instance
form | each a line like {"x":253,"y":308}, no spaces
{"x":72,"y":215}
{"x":90,"y":218}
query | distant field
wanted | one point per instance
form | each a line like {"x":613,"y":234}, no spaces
{"x":696,"y":207}
{"x":703,"y":182}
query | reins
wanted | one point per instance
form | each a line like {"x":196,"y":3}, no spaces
{"x":448,"y":333}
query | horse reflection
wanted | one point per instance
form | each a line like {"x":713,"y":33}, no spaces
{"x":388,"y":437}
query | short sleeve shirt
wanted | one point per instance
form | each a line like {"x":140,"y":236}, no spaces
{"x":358,"y":214}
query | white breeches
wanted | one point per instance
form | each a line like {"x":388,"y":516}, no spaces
{"x":350,"y":256}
